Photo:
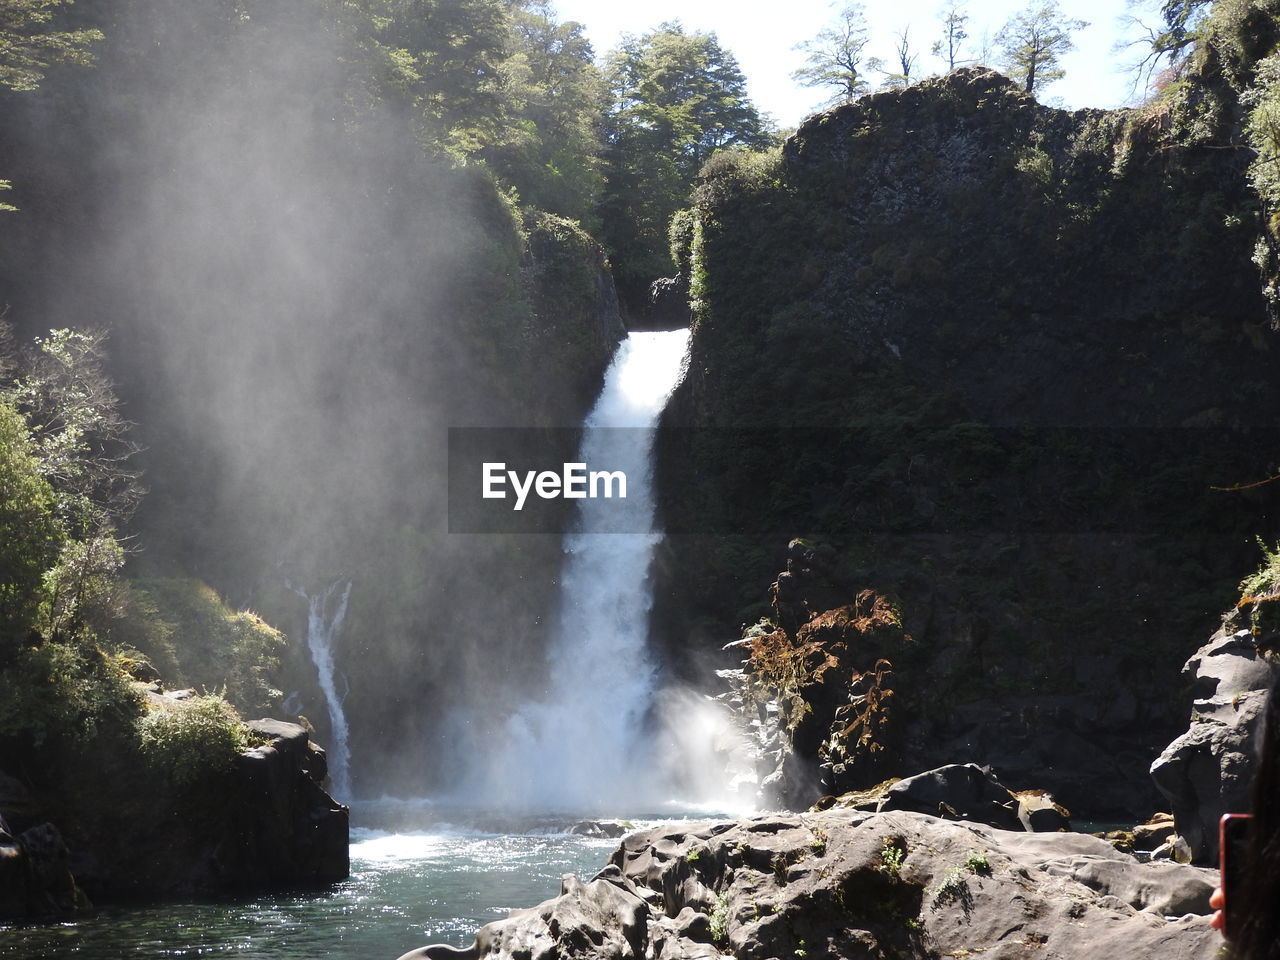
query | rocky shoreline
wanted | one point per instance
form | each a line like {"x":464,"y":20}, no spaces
{"x":842,"y":883}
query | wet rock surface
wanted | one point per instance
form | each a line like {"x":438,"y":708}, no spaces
{"x":842,"y":883}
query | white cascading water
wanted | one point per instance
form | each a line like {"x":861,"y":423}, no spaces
{"x":324,"y":622}
{"x":580,"y":746}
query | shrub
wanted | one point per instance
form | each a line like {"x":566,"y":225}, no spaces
{"x":184,"y":625}
{"x":720,"y":918}
{"x":1266,"y":581}
{"x":891,"y":856}
{"x":200,"y":738}
{"x":63,"y":691}
{"x":977,"y":862}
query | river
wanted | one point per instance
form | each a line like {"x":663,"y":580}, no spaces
{"x":408,"y":887}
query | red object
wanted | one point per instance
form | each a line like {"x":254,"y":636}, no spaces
{"x":1233,"y":832}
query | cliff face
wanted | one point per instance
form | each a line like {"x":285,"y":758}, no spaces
{"x":998,"y":356}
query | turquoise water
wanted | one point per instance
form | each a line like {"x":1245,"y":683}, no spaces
{"x":410,"y":885}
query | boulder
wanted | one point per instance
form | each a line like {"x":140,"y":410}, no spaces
{"x":35,"y":875}
{"x":845,"y":883}
{"x":1206,"y":771}
{"x":602,"y":919}
{"x":957,"y":792}
{"x":1150,"y":835}
{"x":970,"y":792}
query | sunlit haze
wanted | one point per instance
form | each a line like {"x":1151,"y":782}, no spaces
{"x":764,"y":40}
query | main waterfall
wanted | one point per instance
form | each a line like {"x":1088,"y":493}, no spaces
{"x":580,"y":744}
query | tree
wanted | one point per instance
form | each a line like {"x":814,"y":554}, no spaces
{"x":80,"y":445}
{"x":1033,"y":41}
{"x":556,"y":98}
{"x":447,"y":56}
{"x":901,"y":76}
{"x":834,"y":56}
{"x":676,"y":98}
{"x":954,"y":34}
{"x":1169,"y":43}
{"x":78,"y":434}
{"x":28,"y":46}
{"x":30,"y":535}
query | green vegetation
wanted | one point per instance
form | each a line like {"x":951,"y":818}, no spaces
{"x":192,"y":742}
{"x":892,"y":854}
{"x":720,"y":914}
{"x":952,"y":888}
{"x":676,"y":98}
{"x":1034,"y":41}
{"x":73,"y":721}
{"x":1265,"y":583}
{"x":30,"y":42}
{"x":189,"y":633}
{"x":977,"y":862}
{"x":834,"y":57}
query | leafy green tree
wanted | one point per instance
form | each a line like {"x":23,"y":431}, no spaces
{"x":78,"y":433}
{"x":78,"y":443}
{"x":446,"y":57}
{"x":556,"y":96}
{"x":29,"y":45}
{"x":1032,"y":43}
{"x":30,"y":535}
{"x":1169,"y":43}
{"x":834,"y":57}
{"x":676,"y":98}
{"x":954,"y":33}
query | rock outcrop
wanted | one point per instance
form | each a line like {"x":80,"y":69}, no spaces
{"x":264,"y":822}
{"x":998,"y":356}
{"x":840,"y":884}
{"x":1206,"y":771}
{"x":290,"y":830}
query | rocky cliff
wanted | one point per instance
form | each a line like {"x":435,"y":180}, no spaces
{"x":115,"y":830}
{"x":1009,"y":364}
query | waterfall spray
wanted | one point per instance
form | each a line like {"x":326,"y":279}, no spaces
{"x":324,"y":622}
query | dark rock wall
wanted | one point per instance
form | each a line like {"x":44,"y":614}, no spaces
{"x":997,"y":357}
{"x":266,"y":822}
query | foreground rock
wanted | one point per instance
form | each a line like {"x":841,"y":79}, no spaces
{"x":841,"y":883}
{"x":1206,"y":771}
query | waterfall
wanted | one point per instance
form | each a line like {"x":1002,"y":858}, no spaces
{"x":582,"y":744}
{"x":324,"y":622}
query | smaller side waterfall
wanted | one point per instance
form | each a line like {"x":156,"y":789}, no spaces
{"x":324,"y":622}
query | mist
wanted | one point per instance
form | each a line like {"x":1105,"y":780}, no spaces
{"x":301,"y":300}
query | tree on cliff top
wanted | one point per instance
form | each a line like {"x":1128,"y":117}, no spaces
{"x":953,"y":17}
{"x":834,"y":56}
{"x":676,"y":98}
{"x":1033,"y":41}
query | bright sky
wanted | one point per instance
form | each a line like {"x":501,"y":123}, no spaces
{"x":763,"y":38}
